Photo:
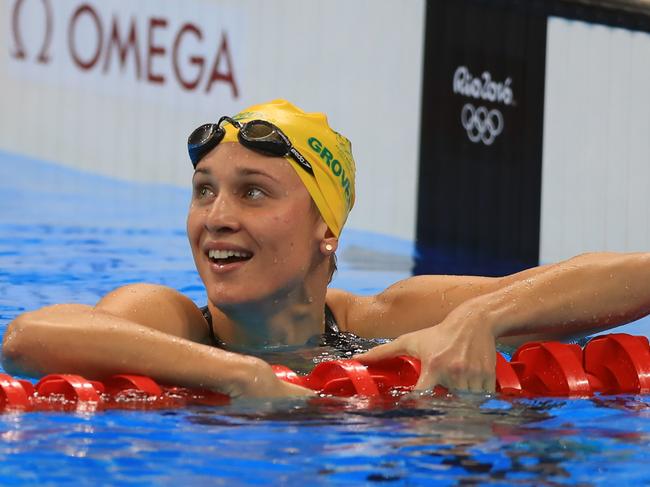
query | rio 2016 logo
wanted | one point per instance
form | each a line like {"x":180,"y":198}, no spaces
{"x":482,"y":125}
{"x":156,"y":48}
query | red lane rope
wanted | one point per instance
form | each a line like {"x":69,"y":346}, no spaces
{"x":610,"y":364}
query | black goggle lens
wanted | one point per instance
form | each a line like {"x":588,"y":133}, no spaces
{"x":264,"y":137}
{"x":202,"y":134}
{"x":203,"y":140}
{"x":258,"y":130}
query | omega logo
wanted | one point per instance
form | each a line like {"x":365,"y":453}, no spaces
{"x":121,"y":41}
{"x":19,"y":47}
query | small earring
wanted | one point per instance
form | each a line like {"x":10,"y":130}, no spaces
{"x":329,"y":247}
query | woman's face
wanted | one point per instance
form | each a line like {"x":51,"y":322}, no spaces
{"x":252,"y":227}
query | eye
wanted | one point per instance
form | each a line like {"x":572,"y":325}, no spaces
{"x":203,"y":192}
{"x":254,"y":193}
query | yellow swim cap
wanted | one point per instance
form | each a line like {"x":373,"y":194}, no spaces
{"x":328,"y":152}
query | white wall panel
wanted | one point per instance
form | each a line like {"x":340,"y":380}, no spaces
{"x":359,"y":61}
{"x":596,"y":152}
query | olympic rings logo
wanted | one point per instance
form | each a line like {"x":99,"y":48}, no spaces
{"x":481,"y":125}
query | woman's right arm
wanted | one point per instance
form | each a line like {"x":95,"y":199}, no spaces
{"x":139,"y":329}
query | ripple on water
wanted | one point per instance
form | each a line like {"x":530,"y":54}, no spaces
{"x":98,"y":234}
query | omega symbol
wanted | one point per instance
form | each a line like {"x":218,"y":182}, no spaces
{"x":19,"y":47}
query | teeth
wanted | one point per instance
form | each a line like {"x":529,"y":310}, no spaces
{"x":224,"y":254}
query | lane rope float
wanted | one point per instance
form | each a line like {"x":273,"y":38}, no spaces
{"x":617,"y":363}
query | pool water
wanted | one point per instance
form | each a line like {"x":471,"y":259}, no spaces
{"x":67,"y":236}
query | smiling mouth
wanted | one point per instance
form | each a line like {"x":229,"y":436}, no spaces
{"x":223,"y":257}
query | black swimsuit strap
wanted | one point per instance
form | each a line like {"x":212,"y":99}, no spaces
{"x":331,"y":327}
{"x":214,"y":341}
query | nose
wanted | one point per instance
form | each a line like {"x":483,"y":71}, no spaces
{"x":223,"y":215}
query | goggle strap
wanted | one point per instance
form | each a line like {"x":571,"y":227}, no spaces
{"x":299,"y":158}
{"x":231,"y":121}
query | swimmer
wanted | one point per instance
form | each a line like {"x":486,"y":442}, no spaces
{"x":272,"y":189}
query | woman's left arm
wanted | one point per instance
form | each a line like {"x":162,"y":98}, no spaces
{"x":585,"y":294}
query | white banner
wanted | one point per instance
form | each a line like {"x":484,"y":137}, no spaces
{"x":115,"y":86}
{"x":149,"y":48}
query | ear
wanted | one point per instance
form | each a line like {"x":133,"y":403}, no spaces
{"x":329,"y":244}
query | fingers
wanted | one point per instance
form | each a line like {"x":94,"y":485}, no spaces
{"x":476,"y":383}
{"x":296,"y":390}
{"x":278,"y":388}
{"x":457,"y":380}
{"x":381,"y":352}
{"x":490,"y":384}
{"x":427,"y":381}
{"x":452,"y":373}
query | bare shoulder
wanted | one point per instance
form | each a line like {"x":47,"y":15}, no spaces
{"x":343,"y":304}
{"x":158,"y":307}
{"x":411,"y":304}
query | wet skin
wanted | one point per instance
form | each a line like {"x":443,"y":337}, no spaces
{"x":257,"y":206}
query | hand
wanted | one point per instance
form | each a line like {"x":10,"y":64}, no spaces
{"x":458,"y":353}
{"x":259,"y":380}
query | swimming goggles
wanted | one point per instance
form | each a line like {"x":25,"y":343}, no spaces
{"x":258,"y":135}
